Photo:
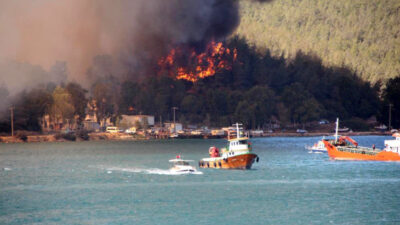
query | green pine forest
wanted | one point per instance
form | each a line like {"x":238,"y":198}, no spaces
{"x":363,"y":35}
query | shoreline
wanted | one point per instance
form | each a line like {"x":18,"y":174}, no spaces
{"x":103,"y":136}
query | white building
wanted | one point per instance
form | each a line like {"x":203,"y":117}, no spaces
{"x":170,"y":127}
{"x":131,"y":120}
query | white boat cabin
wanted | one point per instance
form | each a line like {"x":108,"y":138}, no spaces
{"x":180,"y":162}
{"x":238,"y":144}
{"x":393,"y":145}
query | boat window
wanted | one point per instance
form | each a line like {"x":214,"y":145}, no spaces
{"x":243,"y":142}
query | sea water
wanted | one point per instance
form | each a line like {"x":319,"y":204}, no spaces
{"x":129,"y":183}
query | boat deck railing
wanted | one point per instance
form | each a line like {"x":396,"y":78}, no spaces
{"x":360,"y":150}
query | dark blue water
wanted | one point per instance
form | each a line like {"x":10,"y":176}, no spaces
{"x":129,"y":183}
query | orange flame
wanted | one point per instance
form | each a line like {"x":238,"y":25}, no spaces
{"x":199,"y":66}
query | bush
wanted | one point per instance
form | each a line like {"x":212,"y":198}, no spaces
{"x":83,"y":134}
{"x":357,"y":124}
{"x":67,"y":136}
{"x":22,"y":135}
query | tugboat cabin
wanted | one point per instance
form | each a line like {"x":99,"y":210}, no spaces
{"x":238,"y":144}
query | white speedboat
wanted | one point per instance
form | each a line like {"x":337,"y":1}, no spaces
{"x":318,"y":147}
{"x":181,"y":166}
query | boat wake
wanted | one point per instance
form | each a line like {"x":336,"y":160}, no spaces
{"x":311,"y":152}
{"x":150,"y":171}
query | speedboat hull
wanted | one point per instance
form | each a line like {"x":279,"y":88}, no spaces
{"x":243,"y":161}
{"x":318,"y":151}
{"x":189,"y":171}
{"x":182,"y":167}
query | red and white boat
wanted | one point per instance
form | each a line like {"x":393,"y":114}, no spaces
{"x":237,"y":155}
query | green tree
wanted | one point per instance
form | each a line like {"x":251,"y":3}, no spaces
{"x":62,"y":110}
{"x":106,"y":92}
{"x":30,"y":107}
{"x":129,"y":97}
{"x":301,"y":105}
{"x":391,"y":96}
{"x":79,"y":100}
{"x":193,"y":107}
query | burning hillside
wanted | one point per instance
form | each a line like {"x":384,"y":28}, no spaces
{"x":187,"y":64}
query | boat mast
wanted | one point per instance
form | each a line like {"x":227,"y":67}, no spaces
{"x":337,"y":128}
{"x":237,"y":130}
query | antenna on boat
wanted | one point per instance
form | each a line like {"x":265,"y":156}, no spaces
{"x":337,"y":128}
{"x":237,"y":129}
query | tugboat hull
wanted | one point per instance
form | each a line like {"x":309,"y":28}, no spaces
{"x":244,"y":161}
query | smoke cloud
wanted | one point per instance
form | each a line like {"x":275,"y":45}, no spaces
{"x":42,"y":32}
{"x":47,"y":40}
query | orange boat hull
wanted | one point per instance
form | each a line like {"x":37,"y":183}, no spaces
{"x":244,"y":161}
{"x":334,"y":153}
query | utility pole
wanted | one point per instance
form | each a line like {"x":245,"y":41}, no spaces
{"x":174,"y":108}
{"x":12,"y":120}
{"x":390,"y":116}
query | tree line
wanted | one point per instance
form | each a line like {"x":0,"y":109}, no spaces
{"x":258,"y":90}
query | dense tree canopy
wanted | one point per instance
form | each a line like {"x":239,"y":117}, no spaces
{"x":259,"y":88}
{"x":391,"y":100}
{"x":362,"y":35}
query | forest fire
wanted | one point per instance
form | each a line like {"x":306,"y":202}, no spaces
{"x":191,"y":66}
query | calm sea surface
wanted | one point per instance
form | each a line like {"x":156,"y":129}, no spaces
{"x":129,"y":183}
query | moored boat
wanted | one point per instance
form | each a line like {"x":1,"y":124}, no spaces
{"x":345,"y":148}
{"x":237,"y":155}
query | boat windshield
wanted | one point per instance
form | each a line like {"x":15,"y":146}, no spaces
{"x":184,"y":163}
{"x":243,"y":142}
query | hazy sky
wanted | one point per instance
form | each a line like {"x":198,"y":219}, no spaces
{"x":35,"y":34}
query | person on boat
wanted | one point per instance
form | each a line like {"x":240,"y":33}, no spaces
{"x":214,"y":152}
{"x":373,"y":146}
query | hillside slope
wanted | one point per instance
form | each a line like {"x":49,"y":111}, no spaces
{"x":363,"y":35}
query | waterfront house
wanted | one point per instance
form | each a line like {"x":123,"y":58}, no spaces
{"x":170,"y":127}
{"x":128,"y":121}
